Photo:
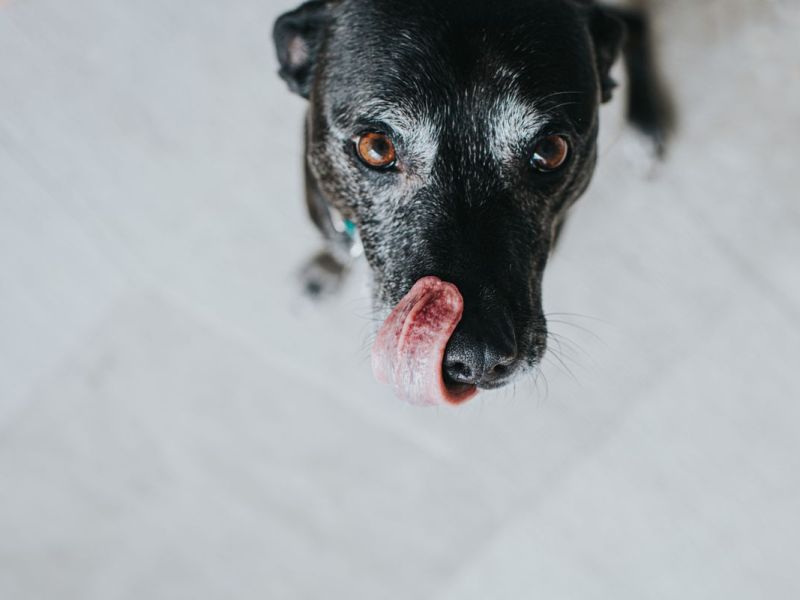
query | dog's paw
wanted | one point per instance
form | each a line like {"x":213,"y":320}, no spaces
{"x":322,"y":275}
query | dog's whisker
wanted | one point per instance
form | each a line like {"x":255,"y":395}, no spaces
{"x":535,"y":378}
{"x":562,"y":355}
{"x":578,"y":315}
{"x":578,"y":327}
{"x":546,"y":385}
{"x":562,"y":340}
{"x":563,"y":365}
{"x":569,"y":355}
{"x":551,"y":109}
{"x":554,"y":94}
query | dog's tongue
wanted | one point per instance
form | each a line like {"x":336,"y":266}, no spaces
{"x":410,"y":346}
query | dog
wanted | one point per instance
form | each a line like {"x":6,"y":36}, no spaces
{"x":447,"y":140}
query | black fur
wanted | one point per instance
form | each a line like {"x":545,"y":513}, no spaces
{"x":465,"y":213}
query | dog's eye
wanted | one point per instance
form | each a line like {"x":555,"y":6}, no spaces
{"x":376,"y":150}
{"x":550,"y":153}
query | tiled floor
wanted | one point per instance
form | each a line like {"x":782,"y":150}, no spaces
{"x":175,"y":422}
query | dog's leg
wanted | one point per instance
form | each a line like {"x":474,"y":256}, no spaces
{"x":324,"y":272}
{"x":650,"y":109}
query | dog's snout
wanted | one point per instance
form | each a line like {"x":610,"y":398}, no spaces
{"x":481,"y":353}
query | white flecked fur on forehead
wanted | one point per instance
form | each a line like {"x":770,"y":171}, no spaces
{"x":510,"y":122}
{"x":513,"y":121}
{"x":404,"y":119}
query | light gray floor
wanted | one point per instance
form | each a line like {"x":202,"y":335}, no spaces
{"x":176,"y":423}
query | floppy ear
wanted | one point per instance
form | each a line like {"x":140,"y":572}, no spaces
{"x":608,"y":35}
{"x":298,"y":35}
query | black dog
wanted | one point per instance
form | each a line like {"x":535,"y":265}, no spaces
{"x":450,"y":138}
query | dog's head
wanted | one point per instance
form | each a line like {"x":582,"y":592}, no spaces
{"x":455,"y":134}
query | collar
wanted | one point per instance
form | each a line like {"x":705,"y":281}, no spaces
{"x":348,"y":229}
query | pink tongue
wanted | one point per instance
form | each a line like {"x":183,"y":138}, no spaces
{"x":410,"y":346}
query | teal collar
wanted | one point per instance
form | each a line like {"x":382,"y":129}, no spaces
{"x":347,"y":228}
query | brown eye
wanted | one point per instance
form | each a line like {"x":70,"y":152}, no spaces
{"x":376,"y":150}
{"x":550,"y":153}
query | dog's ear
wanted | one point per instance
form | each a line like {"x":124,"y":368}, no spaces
{"x":608,"y":35}
{"x":298,"y":35}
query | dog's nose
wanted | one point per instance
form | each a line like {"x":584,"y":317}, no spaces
{"x":482,"y":357}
